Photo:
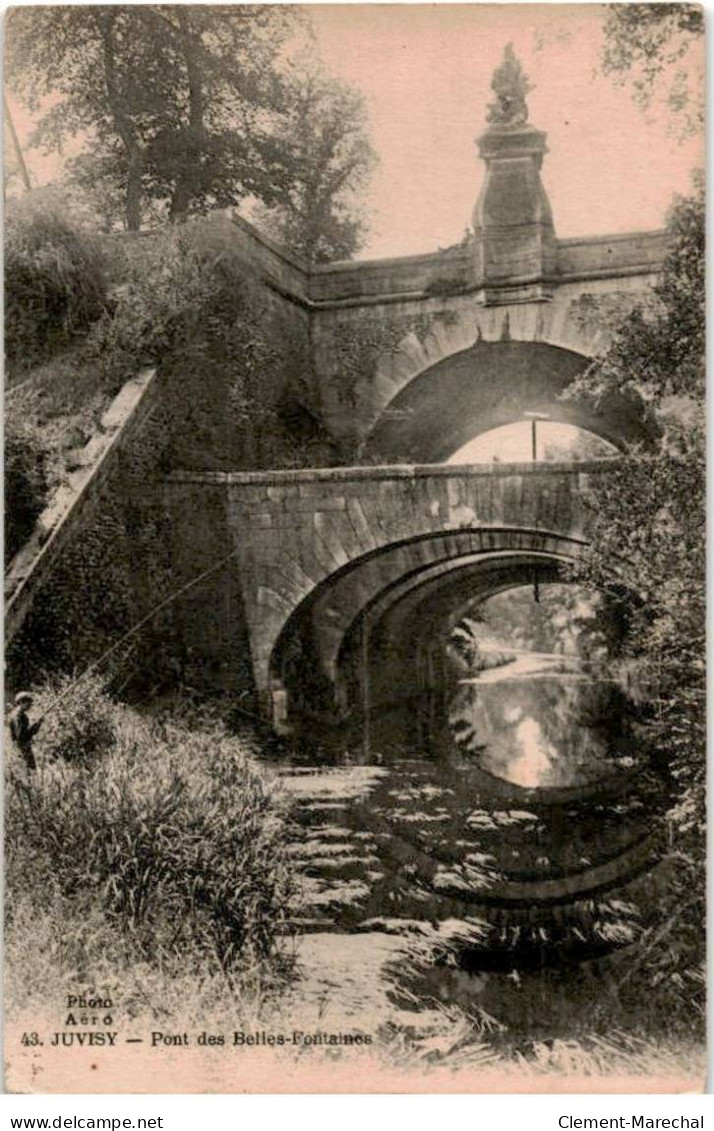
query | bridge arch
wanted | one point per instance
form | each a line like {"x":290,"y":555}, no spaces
{"x":406,"y":600}
{"x":319,"y":535}
{"x":558,"y":322}
{"x":311,"y":663}
{"x":428,"y":414}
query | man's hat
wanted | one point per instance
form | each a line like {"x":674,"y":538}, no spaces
{"x":23,"y":697}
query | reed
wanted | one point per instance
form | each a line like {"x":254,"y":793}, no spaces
{"x":176,"y":838}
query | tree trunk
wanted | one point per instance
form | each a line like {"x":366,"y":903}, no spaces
{"x":133,"y":193}
{"x":188,"y":180}
{"x":122,"y":122}
{"x":180,"y":199}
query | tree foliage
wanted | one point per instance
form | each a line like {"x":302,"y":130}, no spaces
{"x":649,"y":530}
{"x":25,"y":484}
{"x":653,"y":47}
{"x":188,"y":108}
{"x":328,"y":162}
{"x":176,"y":102}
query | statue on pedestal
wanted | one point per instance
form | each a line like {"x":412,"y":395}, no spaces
{"x":510,"y":85}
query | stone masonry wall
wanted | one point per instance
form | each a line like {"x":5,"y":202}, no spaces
{"x":103,"y":573}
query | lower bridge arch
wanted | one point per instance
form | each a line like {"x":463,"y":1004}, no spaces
{"x":385,"y":617}
{"x":313,"y":664}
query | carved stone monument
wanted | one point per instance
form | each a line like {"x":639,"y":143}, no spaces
{"x":514,"y":237}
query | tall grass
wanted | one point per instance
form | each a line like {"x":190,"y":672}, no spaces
{"x":55,"y":291}
{"x":174,"y":838}
{"x":55,"y":283}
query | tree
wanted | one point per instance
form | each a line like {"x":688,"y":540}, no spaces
{"x":655,"y":47}
{"x":329,"y":162}
{"x":649,"y":532}
{"x":177,"y":103}
{"x":218,"y":143}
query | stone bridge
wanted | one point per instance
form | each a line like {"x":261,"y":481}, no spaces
{"x":382,"y":539}
{"x":326,"y":583}
{"x":385,"y":370}
{"x":322,"y":553}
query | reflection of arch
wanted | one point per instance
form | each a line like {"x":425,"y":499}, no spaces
{"x":306,"y":658}
{"x":439,"y":409}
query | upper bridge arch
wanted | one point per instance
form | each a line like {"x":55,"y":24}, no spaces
{"x":487,"y":385}
{"x":457,"y":328}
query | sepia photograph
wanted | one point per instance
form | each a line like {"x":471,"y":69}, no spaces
{"x":354,"y":445}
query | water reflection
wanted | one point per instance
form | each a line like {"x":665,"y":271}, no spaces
{"x":542,"y":731}
{"x":510,"y":784}
{"x":540,"y":701}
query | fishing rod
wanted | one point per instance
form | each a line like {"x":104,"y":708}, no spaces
{"x":96,"y":664}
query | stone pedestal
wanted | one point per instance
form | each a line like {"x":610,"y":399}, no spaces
{"x":514,"y":237}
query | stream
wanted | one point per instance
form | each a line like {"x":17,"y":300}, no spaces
{"x":514,"y":830}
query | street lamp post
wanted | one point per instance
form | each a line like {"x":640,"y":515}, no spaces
{"x":534,"y":417}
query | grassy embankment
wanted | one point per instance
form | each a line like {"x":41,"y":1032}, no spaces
{"x":84,"y":314}
{"x":142,"y":858}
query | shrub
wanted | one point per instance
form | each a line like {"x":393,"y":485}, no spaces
{"x":164,"y":288}
{"x":176,"y":836}
{"x":80,"y":720}
{"x":55,"y":285}
{"x":26,"y":483}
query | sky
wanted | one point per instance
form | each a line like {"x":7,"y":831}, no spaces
{"x":425,"y":72}
{"x":512,"y":443}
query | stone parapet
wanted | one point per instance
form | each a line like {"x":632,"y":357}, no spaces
{"x":304,"y":477}
{"x":613,"y":256}
{"x":415,"y":275}
{"x":73,"y":503}
{"x":426,"y":276}
{"x":445,"y":273}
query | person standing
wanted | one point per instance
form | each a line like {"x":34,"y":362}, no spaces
{"x":22,"y":730}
